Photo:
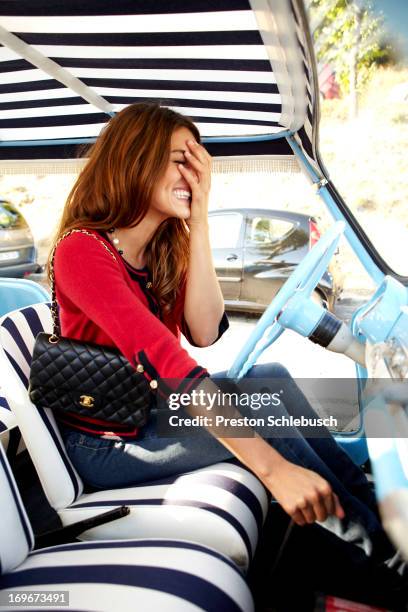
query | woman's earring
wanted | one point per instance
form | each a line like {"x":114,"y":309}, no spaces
{"x":115,"y":241}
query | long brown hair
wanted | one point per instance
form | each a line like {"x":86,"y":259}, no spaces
{"x":116,"y":185}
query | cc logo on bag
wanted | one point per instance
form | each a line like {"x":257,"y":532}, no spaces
{"x":87,"y":401}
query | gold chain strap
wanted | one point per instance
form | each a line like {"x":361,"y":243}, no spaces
{"x":56,"y":325}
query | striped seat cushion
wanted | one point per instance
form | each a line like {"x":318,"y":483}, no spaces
{"x":155,"y":574}
{"x":7,"y":418}
{"x":10,"y":437}
{"x":134,"y":575}
{"x":222,"y":506}
{"x":16,"y":536}
{"x":19,"y":330}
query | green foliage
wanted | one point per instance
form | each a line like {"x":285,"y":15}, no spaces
{"x":347,"y":36}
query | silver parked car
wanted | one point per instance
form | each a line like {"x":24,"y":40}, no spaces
{"x":256,"y":250}
{"x":17,"y":250}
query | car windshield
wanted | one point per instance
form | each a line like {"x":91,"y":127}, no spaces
{"x":362,"y":56}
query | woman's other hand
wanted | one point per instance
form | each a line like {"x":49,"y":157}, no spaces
{"x":197,"y":173}
{"x":303,"y":494}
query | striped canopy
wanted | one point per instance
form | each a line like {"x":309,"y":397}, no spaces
{"x":242,"y":70}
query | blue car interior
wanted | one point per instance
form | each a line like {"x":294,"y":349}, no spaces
{"x":16,"y":293}
{"x":245,"y":72}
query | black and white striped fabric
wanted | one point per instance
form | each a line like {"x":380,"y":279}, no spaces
{"x":10,"y":436}
{"x":165,"y":575}
{"x":156,"y":574}
{"x":306,"y":136}
{"x":222,"y":506}
{"x":7,"y":419}
{"x":236,"y":67}
{"x":16,"y":536}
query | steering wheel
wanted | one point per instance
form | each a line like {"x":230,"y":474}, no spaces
{"x":298,"y":289}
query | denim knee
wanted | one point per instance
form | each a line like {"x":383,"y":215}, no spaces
{"x":268,"y":370}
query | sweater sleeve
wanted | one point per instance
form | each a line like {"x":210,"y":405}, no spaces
{"x":94,"y":280}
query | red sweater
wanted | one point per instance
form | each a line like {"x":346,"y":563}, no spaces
{"x":106,"y":301}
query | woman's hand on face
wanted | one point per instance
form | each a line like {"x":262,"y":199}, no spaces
{"x":303,"y":494}
{"x":197,"y":173}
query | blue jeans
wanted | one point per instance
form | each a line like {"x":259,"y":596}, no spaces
{"x":108,"y":463}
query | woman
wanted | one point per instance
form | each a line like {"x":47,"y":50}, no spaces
{"x":144,"y":192}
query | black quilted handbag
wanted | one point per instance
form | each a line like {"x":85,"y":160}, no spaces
{"x":87,"y":379}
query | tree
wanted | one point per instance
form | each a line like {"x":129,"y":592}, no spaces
{"x":347,"y":36}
